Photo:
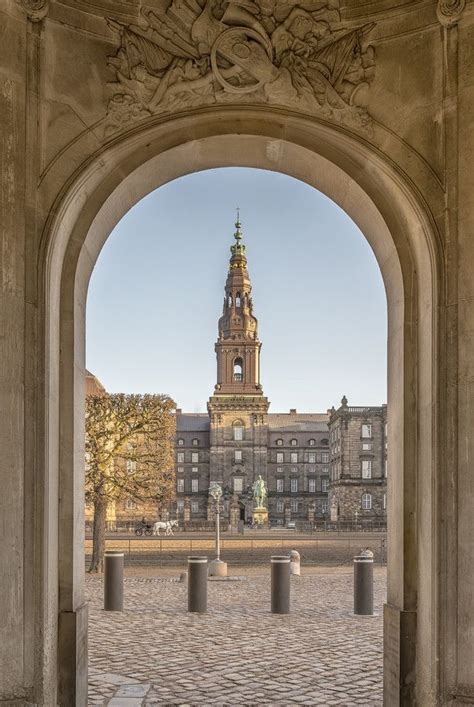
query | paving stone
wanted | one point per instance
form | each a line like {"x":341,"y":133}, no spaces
{"x":155,"y":653}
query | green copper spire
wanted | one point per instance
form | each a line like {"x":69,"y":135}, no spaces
{"x":238,"y":248}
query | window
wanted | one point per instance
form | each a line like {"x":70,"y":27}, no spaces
{"x":294,"y":469}
{"x":293,"y":442}
{"x":238,"y":431}
{"x":325,"y":457}
{"x":279,"y":442}
{"x":294,"y":457}
{"x":194,"y":485}
{"x":384,"y":501}
{"x":311,"y":442}
{"x":311,"y":469}
{"x":325,"y":469}
{"x":279,"y":457}
{"x":195,"y":442}
{"x":194,"y":506}
{"x":131,"y":466}
{"x":195,"y":457}
{"x":294,"y":485}
{"x":238,"y":370}
{"x":366,"y":446}
{"x":366,"y":430}
{"x":237,"y":455}
{"x":179,"y":506}
{"x":180,"y":442}
{"x":180,"y":469}
{"x":294,"y":506}
{"x":194,"y":469}
{"x":366,"y":469}
{"x":279,"y":469}
{"x":324,"y":507}
{"x":180,"y":485}
{"x":366,"y":503}
{"x":324,"y":485}
{"x":237,"y":299}
{"x":312,"y":485}
{"x":312,"y":458}
{"x":130,"y":504}
{"x":386,"y":468}
{"x":280,"y":506}
{"x":238,"y":485}
{"x":180,"y":457}
{"x":325,"y":442}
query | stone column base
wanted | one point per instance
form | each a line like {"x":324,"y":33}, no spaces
{"x":72,"y":652}
{"x":399,"y":656}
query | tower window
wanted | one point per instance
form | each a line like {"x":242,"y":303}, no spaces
{"x":238,"y":370}
{"x":238,"y":431}
{"x":237,"y":299}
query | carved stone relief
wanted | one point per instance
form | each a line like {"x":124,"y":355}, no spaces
{"x":35,"y":9}
{"x":293,"y":53}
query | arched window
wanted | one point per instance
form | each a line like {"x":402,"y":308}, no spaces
{"x":237,"y":299}
{"x":238,"y":370}
{"x":229,"y":301}
{"x":238,"y":427}
{"x":366,"y":501}
{"x":311,"y":442}
{"x":180,"y":442}
{"x":279,"y":442}
{"x":293,"y":442}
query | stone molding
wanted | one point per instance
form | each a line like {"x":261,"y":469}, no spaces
{"x":449,"y":11}
{"x":36,"y":10}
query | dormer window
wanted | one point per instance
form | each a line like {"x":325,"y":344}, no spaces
{"x":180,"y":442}
{"x":279,"y":443}
{"x":293,"y":442}
{"x":238,"y":370}
{"x":195,"y":442}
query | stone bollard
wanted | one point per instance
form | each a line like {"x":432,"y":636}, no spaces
{"x":280,"y":590}
{"x":197,"y":584}
{"x":364,"y":583}
{"x":295,"y":562}
{"x":113,"y":581}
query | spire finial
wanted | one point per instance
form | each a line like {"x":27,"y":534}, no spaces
{"x":238,"y":226}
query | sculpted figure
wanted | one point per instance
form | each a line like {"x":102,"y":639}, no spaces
{"x":259,"y":492}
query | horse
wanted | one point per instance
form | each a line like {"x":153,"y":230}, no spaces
{"x":166,"y":525}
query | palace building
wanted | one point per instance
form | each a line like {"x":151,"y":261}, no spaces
{"x":239,"y":438}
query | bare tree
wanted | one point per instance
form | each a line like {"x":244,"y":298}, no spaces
{"x":140,"y":430}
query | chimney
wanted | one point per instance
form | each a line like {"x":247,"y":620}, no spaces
{"x":292,"y":411}
{"x":178,"y":411}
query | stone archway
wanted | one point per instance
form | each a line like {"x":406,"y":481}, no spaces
{"x":387,"y":134}
{"x":393,"y":219}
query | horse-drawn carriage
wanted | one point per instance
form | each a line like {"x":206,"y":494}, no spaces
{"x":148,"y":529}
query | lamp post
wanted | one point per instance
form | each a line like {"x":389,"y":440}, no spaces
{"x":217,"y":568}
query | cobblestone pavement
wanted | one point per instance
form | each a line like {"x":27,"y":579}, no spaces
{"x":155,"y":653}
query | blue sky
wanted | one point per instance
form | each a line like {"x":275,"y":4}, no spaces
{"x":156,"y":293}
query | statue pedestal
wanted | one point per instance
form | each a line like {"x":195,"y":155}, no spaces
{"x":260,"y":516}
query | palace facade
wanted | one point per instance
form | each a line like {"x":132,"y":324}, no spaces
{"x":316,"y":466}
